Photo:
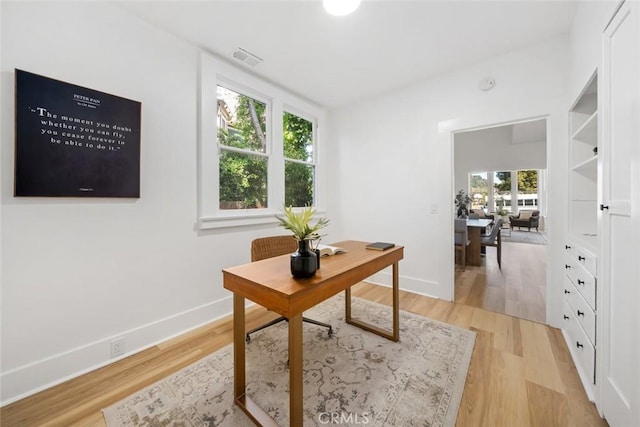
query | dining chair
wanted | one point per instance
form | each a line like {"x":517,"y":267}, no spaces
{"x":462,"y":239}
{"x":494,"y":239}
{"x":269,"y":247}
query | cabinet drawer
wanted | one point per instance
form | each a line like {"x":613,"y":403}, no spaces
{"x":570,"y":250}
{"x":585,"y":283}
{"x":589,"y":261}
{"x":567,"y":315}
{"x":570,"y":268}
{"x":585,"y":316}
{"x":583,"y":352}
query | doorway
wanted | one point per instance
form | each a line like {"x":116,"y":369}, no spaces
{"x":503,"y":171}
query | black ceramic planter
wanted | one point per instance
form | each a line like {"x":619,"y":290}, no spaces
{"x":304,"y":262}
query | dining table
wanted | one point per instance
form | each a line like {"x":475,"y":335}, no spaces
{"x":475,"y":229}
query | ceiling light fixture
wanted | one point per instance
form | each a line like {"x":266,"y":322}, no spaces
{"x":340,"y":7}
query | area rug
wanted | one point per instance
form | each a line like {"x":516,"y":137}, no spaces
{"x":520,"y":236}
{"x":352,"y":378}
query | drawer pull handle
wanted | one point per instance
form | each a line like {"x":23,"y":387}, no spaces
{"x":579,"y":345}
{"x":567,"y":247}
{"x":603,"y":207}
{"x":580,"y":282}
{"x":566,"y":317}
{"x":566,"y":292}
{"x":580,"y":313}
{"x":581,"y":258}
{"x":567,"y":266}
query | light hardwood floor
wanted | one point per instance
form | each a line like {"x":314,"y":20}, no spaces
{"x":519,"y":289}
{"x":521,"y":373}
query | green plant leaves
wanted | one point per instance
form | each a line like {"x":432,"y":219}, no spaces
{"x":298,"y":222}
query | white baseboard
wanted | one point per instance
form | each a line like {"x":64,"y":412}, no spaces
{"x":29,"y":379}
{"x":409,"y":284}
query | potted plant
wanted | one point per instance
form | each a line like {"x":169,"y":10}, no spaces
{"x":462,"y":203}
{"x":304,"y":262}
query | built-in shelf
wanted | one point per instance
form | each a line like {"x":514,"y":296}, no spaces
{"x":588,"y":168}
{"x":588,"y":132}
{"x":583,"y":165}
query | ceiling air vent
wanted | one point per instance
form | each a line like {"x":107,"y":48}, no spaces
{"x":246,"y":57}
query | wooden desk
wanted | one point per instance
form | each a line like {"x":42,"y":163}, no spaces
{"x":270,"y":284}
{"x":474,"y":229}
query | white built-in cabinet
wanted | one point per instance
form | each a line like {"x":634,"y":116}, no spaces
{"x":580,"y":282}
{"x":601,"y":284}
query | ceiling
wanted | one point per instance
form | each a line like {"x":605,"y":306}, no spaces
{"x":383,"y":46}
{"x":526,"y":132}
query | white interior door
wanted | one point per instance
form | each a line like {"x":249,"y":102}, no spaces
{"x":619,"y":341}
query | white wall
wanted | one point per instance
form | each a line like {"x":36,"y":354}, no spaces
{"x":77,"y":273}
{"x":393,"y":155}
{"x":586,"y":41}
{"x":493,"y":150}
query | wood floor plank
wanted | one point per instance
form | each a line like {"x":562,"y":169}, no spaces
{"x":476,"y":397}
{"x":509,"y":403}
{"x":541,"y":368}
{"x":547,"y":407}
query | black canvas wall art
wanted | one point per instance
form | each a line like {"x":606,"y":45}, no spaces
{"x":73,"y":141}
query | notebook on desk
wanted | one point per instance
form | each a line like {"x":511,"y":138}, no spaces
{"x":380,"y":246}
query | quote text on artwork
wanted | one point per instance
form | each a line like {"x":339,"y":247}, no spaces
{"x":75,"y":132}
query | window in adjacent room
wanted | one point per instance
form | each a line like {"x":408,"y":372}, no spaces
{"x":242,"y":142}
{"x":298,"y":149}
{"x":479,"y":191}
{"x":502,"y":191}
{"x":528,"y":189}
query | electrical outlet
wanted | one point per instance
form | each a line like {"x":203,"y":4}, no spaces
{"x":117,"y":347}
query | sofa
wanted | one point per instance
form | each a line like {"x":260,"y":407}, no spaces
{"x":529,"y":219}
{"x":479,"y":214}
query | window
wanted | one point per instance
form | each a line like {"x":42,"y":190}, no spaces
{"x":479,"y":191}
{"x":528,"y":189}
{"x":299,"y":175}
{"x":243,"y":161}
{"x":258,"y":148}
{"x":493,"y":191}
{"x":502,"y":191}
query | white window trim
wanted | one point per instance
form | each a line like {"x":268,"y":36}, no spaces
{"x":213,"y":72}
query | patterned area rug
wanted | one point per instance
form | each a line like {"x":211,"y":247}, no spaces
{"x":355,"y":377}
{"x":522,"y":236}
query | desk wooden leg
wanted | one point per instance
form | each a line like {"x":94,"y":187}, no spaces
{"x":239,"y":365}
{"x":257,"y":414}
{"x":394,"y":335}
{"x":295,"y":371}
{"x":396,"y":303}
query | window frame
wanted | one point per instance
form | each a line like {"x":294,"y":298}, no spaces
{"x":214,"y":72}
{"x":314,"y":162}
{"x":268,"y":152}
